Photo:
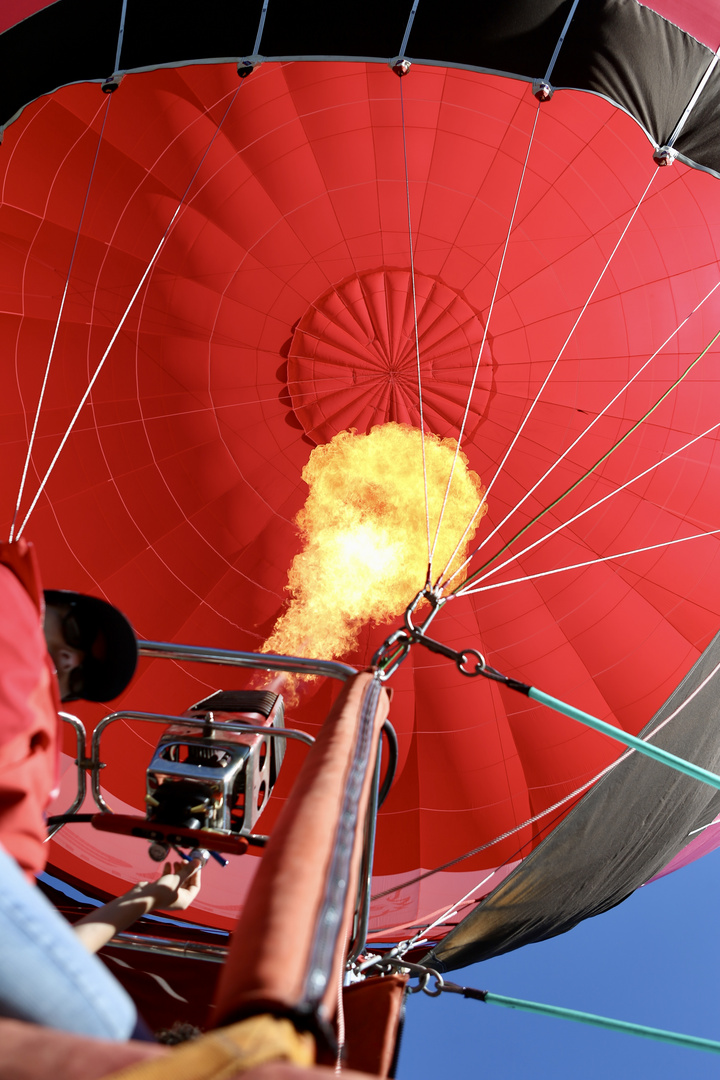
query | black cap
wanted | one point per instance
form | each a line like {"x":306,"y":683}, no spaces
{"x":107,"y":640}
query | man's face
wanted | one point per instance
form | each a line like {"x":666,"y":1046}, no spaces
{"x":62,"y":637}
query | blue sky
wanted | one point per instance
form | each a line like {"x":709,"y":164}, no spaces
{"x":654,"y":959}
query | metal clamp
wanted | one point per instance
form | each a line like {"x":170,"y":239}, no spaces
{"x":391,"y":654}
{"x":394,"y":649}
{"x":385,"y":965}
{"x":460,"y":658}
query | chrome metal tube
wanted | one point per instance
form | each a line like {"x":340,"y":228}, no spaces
{"x":80,"y":741}
{"x":215,"y":954}
{"x":262,"y":661}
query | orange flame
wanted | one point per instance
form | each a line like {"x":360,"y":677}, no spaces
{"x":364,"y":526}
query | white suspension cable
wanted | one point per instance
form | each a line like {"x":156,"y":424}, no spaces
{"x":451,"y":912}
{"x":589,"y":562}
{"x":415,"y":325}
{"x":124,"y":316}
{"x":694,"y":832}
{"x":581,"y":513}
{"x":51,"y":354}
{"x":582,"y":434}
{"x":479,"y":357}
{"x":556,"y":361}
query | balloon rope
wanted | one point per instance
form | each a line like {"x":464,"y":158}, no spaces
{"x":41,"y":398}
{"x":675,"y":1038}
{"x":582,"y":434}
{"x":340,"y":1024}
{"x":479,"y":576}
{"x":125,"y":314}
{"x":559,"y":356}
{"x":477,"y":363}
{"x":420,"y":937}
{"x":415,"y":324}
{"x":689,"y":768}
{"x":589,"y":562}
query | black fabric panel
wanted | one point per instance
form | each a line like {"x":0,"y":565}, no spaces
{"x":173,"y":31}
{"x":332,"y":28}
{"x":699,"y":139}
{"x":517,"y":37}
{"x":625,"y":830}
{"x":643,"y":63}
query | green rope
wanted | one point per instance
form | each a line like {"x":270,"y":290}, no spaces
{"x":694,"y":1042}
{"x":473,"y":577}
{"x":647,"y":748}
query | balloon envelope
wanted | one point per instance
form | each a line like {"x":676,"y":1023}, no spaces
{"x":234,"y":261}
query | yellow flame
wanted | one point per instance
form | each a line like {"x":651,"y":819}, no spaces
{"x":364,"y":528}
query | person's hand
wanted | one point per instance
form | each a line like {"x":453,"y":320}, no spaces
{"x":177,"y":887}
{"x":175,"y":890}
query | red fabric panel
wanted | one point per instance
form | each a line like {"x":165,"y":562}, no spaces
{"x":700,"y":19}
{"x":14,"y":11}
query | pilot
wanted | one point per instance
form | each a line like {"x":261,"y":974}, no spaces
{"x":91,"y":643}
{"x":66,"y":647}
{"x":54,"y":647}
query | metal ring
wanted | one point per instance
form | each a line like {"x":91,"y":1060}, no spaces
{"x":463,"y":658}
{"x":423,"y":980}
{"x":439,"y":984}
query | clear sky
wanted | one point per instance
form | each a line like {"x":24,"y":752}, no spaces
{"x":654,"y":959}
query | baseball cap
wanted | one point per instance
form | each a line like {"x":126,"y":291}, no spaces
{"x":104,"y":636}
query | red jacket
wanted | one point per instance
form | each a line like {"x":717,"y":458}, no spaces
{"x":29,"y":704}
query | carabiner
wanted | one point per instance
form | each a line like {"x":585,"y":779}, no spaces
{"x":386,"y":653}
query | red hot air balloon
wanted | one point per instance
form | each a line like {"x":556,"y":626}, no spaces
{"x":205,"y":277}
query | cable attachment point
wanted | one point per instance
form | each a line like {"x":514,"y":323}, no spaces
{"x":386,"y":965}
{"x":432,"y":595}
{"x":460,"y":658}
{"x":110,"y":85}
{"x":542,"y":90}
{"x":664,"y":155}
{"x":247,"y":64}
{"x":400,"y":65}
{"x":394,"y":649}
{"x":391,"y":654}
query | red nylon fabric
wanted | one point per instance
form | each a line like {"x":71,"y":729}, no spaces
{"x":14,"y":11}
{"x":700,"y":19}
{"x":175,"y":495}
